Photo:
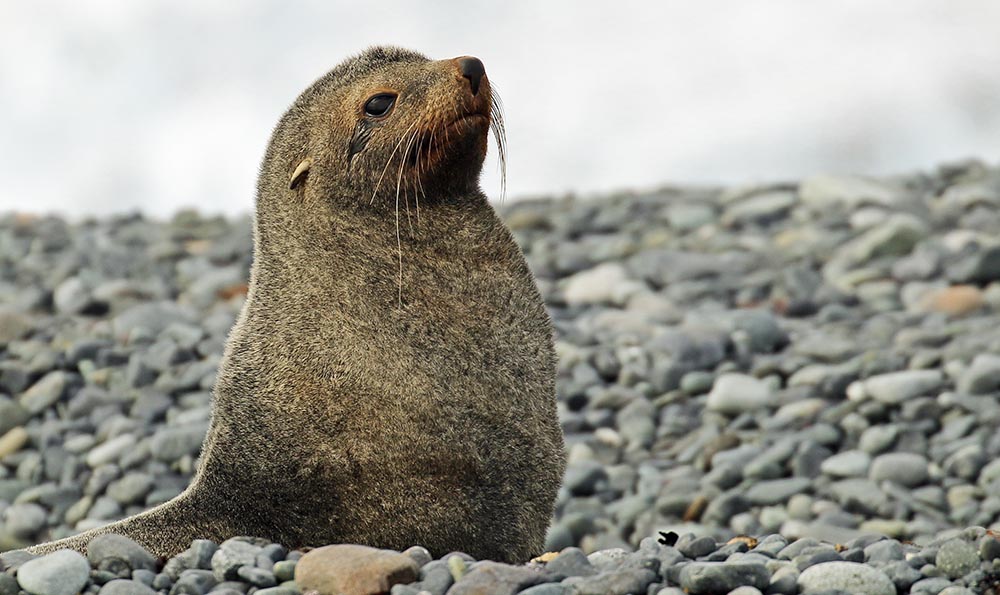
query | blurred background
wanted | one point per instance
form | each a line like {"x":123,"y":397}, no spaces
{"x":111,"y":105}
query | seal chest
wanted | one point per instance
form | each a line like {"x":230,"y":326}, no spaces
{"x":390,"y":380}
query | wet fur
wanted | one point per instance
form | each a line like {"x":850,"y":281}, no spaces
{"x":387,"y":383}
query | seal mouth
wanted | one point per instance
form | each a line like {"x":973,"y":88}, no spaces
{"x":436,"y":141}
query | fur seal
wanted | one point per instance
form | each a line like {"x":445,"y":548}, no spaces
{"x":391,"y":378}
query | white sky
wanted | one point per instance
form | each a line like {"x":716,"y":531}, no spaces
{"x":112,"y":105}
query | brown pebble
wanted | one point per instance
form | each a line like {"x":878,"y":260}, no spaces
{"x":13,"y":441}
{"x":957,"y":300}
{"x":353,"y":570}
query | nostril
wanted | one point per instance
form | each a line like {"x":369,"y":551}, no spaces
{"x":472,"y":69}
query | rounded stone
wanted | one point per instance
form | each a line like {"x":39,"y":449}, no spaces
{"x":125,"y":587}
{"x":63,"y":572}
{"x":904,"y":468}
{"x":353,"y":569}
{"x":956,"y":558}
{"x":851,"y":577}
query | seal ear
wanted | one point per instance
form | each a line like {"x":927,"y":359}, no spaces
{"x":300,"y":173}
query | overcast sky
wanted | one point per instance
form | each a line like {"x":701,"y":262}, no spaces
{"x":115,"y":105}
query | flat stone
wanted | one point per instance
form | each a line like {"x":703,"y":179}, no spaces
{"x":125,"y":587}
{"x":906,"y":469}
{"x":353,"y":570}
{"x":719,"y":578}
{"x":895,"y":387}
{"x":776,"y":491}
{"x":850,"y":463}
{"x":733,"y":394}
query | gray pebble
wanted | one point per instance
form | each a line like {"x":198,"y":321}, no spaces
{"x":846,"y":576}
{"x":126,"y":587}
{"x":63,"y":572}
{"x":956,"y":558}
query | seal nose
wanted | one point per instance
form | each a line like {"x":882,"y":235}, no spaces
{"x":472,"y":69}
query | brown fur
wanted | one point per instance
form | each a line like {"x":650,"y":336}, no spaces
{"x":358,"y":404}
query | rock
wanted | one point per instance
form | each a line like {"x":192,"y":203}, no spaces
{"x":956,"y":300}
{"x":24,"y":519}
{"x":171,"y":443}
{"x":594,"y":286}
{"x":12,"y":414}
{"x":733,"y":394}
{"x":570,"y":562}
{"x":493,"y":578}
{"x":71,"y":296}
{"x":851,"y":577}
{"x":613,"y":582}
{"x":13,"y":324}
{"x":230,"y":556}
{"x":111,"y":550}
{"x":956,"y":558}
{"x":982,"y":377}
{"x":850,"y":463}
{"x":110,"y":451}
{"x":896,"y":387}
{"x":353,"y":570}
{"x":45,"y":393}
{"x":719,"y":578}
{"x":63,"y":572}
{"x":13,"y":441}
{"x":906,"y":469}
{"x":763,"y":208}
{"x":821,"y":191}
{"x":125,"y":587}
{"x":776,"y":491}
{"x":154,"y":317}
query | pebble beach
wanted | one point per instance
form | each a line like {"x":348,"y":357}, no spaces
{"x":788,"y":388}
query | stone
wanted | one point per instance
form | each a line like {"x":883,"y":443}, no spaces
{"x":594,"y":286}
{"x":45,"y":393}
{"x":110,"y":451}
{"x":896,"y":387}
{"x":13,"y":441}
{"x":955,"y":300}
{"x":776,"y":491}
{"x":112,"y":548}
{"x":612,"y":582}
{"x":850,"y":577}
{"x":734,"y":393}
{"x":494,"y":578}
{"x":62,"y":572}
{"x":850,"y":463}
{"x":125,"y":587}
{"x":353,"y":570}
{"x":982,"y":377}
{"x":823,"y":190}
{"x":719,"y":578}
{"x":232,"y":554}
{"x":904,"y":468}
{"x":956,"y":558}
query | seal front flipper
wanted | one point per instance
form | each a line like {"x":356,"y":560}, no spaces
{"x":164,"y":531}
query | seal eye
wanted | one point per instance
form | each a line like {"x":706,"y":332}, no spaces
{"x":379,"y":105}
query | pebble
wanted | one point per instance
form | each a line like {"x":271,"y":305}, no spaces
{"x":353,"y":570}
{"x":850,"y":577}
{"x":63,"y":572}
{"x":956,"y":558}
{"x":733,"y":394}
{"x":720,"y":577}
{"x":905,"y":468}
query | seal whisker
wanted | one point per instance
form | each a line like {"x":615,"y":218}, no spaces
{"x":378,"y":184}
{"x":500,"y":135}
